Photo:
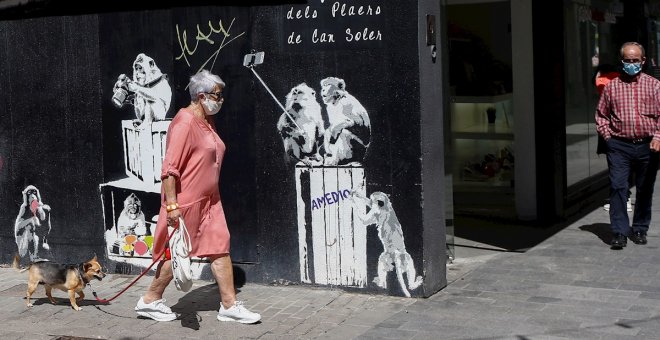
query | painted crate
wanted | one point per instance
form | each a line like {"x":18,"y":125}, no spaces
{"x":332,"y":242}
{"x":144,"y":149}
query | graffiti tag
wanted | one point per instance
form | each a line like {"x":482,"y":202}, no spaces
{"x":330,"y":198}
{"x":206,"y":38}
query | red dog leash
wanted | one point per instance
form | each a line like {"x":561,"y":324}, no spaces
{"x":158,"y":259}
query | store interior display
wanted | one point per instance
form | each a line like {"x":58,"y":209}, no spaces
{"x":482,"y":141}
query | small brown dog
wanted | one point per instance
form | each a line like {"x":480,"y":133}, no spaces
{"x":71,"y":278}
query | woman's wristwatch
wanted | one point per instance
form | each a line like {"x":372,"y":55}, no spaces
{"x":172,"y":206}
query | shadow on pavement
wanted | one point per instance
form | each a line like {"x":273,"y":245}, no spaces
{"x":204,"y":298}
{"x":602,"y":230}
{"x":507,"y":235}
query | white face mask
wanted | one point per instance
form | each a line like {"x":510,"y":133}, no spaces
{"x":210,"y":106}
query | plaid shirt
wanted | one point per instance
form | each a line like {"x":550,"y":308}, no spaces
{"x":630,"y":109}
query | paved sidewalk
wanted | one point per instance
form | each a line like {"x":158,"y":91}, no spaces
{"x":570,"y":286}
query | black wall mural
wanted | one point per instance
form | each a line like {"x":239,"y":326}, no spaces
{"x":316,"y":41}
{"x":50,"y":122}
{"x":320,"y":132}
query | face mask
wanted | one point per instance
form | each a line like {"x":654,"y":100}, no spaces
{"x":210,"y":106}
{"x":632,"y":68}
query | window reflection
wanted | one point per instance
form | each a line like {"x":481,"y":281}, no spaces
{"x":589,"y":44}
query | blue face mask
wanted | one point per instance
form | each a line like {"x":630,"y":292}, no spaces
{"x":632,"y":68}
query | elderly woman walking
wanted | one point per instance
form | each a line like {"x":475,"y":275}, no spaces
{"x":190,"y":189}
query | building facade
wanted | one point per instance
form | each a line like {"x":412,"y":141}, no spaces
{"x":332,"y":121}
{"x":462,"y":107}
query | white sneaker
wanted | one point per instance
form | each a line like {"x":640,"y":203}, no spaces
{"x":237,"y":313}
{"x":156,"y":310}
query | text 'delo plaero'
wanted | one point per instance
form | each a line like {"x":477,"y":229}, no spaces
{"x":336,"y":10}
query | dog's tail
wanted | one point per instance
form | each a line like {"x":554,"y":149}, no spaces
{"x":17,"y":264}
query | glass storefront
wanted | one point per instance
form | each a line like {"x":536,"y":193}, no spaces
{"x":589,"y":43}
{"x":481,"y":112}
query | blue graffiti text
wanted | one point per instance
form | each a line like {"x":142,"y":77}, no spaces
{"x":330,"y":198}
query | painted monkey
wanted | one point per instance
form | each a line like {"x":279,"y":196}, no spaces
{"x":394,"y":255}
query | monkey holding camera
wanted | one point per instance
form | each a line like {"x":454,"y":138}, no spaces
{"x":149,"y":91}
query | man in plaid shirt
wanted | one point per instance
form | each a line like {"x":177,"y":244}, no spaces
{"x":627,"y":117}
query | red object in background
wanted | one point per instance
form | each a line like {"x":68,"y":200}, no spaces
{"x":141,"y":247}
{"x":168,"y":255}
{"x":603,"y":78}
{"x":33,"y":207}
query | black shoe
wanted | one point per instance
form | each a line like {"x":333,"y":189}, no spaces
{"x":638,"y":237}
{"x":618,"y":241}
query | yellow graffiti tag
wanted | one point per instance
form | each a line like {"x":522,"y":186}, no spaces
{"x":220,"y":30}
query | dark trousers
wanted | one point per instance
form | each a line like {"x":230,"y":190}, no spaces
{"x":622,"y":159}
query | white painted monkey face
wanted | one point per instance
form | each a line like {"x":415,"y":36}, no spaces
{"x":31,"y":194}
{"x":145,"y":69}
{"x":132,"y":205}
{"x":380,"y":200}
{"x":331,"y":89}
{"x":300,"y":96}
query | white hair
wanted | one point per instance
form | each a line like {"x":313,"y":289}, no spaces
{"x":203,"y":82}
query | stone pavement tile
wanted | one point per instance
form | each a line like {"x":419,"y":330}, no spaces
{"x":487,"y":271}
{"x":305,"y":311}
{"x":469,"y":300}
{"x":641,"y":325}
{"x":303,"y":328}
{"x":522,"y":306}
{"x":504,"y":328}
{"x":283,"y":317}
{"x":270,"y":312}
{"x":342,"y":332}
{"x":546,"y":277}
{"x":421,"y":326}
{"x":505,"y":286}
{"x":463,"y":292}
{"x":634,"y":280}
{"x":646,"y":309}
{"x":578,"y":312}
{"x":543,"y":299}
{"x":648,"y":330}
{"x":614,"y":329}
{"x":455,"y":332}
{"x":322,"y":329}
{"x":459,"y":283}
{"x":422,"y":335}
{"x":28,"y":335}
{"x":645,"y":300}
{"x":572,"y":293}
{"x":553,"y":323}
{"x":640,"y":288}
{"x":328,"y":316}
{"x":649,"y":295}
{"x":280,"y":329}
{"x":597,"y":281}
{"x":425,"y":305}
{"x":269,"y":336}
{"x":387,"y":333}
{"x":291,"y":309}
{"x":622,"y":314}
{"x":600,"y":293}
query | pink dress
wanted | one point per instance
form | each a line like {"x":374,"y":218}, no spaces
{"x":194,"y":154}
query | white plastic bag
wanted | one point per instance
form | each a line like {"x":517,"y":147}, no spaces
{"x":180,"y":248}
